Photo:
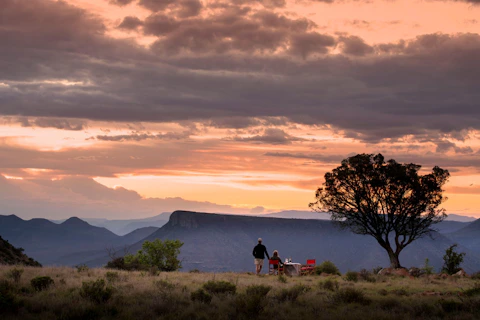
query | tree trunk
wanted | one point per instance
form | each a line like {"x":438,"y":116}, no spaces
{"x":394,"y":261}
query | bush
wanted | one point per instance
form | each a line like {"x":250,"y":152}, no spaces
{"x":452,"y":260}
{"x":282,"y":278}
{"x":201,"y":295}
{"x":82,"y":268}
{"x":112,"y":277}
{"x":96,"y":291}
{"x":366,"y":275}
{"x":160,"y":254}
{"x":349,"y":295}
{"x":427,"y":268}
{"x":330,"y":284}
{"x":475,"y":291}
{"x":253,"y":302}
{"x":7,"y":299}
{"x":220,"y":287}
{"x":292,"y":293}
{"x":351,"y":276}
{"x":327,"y":267}
{"x":41,"y":283}
{"x":15,"y":274}
{"x":164,"y":286}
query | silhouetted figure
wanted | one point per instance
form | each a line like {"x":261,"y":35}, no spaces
{"x":259,"y":252}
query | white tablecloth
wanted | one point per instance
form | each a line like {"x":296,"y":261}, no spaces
{"x":292,"y":268}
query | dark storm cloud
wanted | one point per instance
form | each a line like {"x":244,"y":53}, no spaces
{"x":234,"y":68}
{"x":121,"y":2}
{"x":144,"y":136}
{"x":64,"y":124}
{"x":130,"y":23}
{"x":427,"y":161}
{"x":355,"y":46}
{"x":270,"y":136}
{"x":236,"y":30}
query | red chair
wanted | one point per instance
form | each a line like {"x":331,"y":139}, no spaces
{"x":308,"y":268}
{"x":271,"y":267}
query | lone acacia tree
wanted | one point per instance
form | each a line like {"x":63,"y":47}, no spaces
{"x":389,"y":201}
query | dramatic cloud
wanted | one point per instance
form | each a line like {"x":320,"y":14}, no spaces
{"x":271,"y":136}
{"x":86,"y":198}
{"x":64,"y":124}
{"x":145,"y":136}
{"x":130,"y":23}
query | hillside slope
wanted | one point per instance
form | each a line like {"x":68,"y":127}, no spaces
{"x":216,"y":242}
{"x":468,"y":236}
{"x":12,"y":256}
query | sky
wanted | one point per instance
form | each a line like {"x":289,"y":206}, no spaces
{"x":129,"y":108}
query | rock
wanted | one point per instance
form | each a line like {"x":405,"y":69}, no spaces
{"x":416,"y":272}
{"x":385,"y":271}
{"x":461,"y":273}
{"x":402,"y":272}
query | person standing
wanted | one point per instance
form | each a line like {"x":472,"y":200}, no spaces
{"x":259,"y":252}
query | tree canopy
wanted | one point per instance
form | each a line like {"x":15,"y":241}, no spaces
{"x":389,"y":201}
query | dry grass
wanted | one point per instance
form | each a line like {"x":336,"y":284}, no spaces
{"x":138,"y":295}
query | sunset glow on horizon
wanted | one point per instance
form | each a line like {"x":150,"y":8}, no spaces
{"x":128,"y":108}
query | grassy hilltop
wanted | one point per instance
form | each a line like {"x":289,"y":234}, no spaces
{"x":137,"y":295}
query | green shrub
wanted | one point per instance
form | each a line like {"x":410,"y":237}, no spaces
{"x":427,"y":268}
{"x":292,"y":293}
{"x":452,"y":260}
{"x":82,"y":268}
{"x":220,"y":287}
{"x":96,"y":291}
{"x":475,"y":291}
{"x":282,"y":278}
{"x":366,"y":275}
{"x":327,"y":267}
{"x":7,"y":299}
{"x":15,"y":274}
{"x":258,"y":290}
{"x":349,"y":295}
{"x":330,"y":284}
{"x":153,"y":271}
{"x":351,"y":276}
{"x":157,"y":253}
{"x":112,"y":277}
{"x":41,"y":283}
{"x":164,"y":286}
{"x":201,"y":295}
{"x":253,"y":301}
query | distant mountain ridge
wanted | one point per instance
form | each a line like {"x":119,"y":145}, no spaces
{"x":215,"y":242}
{"x":50,"y":243}
{"x":123,"y":227}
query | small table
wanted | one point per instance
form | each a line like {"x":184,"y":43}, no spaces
{"x":292,"y":268}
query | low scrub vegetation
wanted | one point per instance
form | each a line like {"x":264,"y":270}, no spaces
{"x":327,"y":267}
{"x":64,"y":293}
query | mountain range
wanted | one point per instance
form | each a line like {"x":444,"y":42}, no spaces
{"x":123,"y":227}
{"x":52,"y":244}
{"x":223,"y":242}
